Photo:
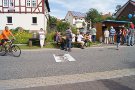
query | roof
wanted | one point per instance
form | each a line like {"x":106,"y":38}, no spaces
{"x":47,"y":4}
{"x":123,"y":7}
{"x":133,"y":2}
{"x":77,"y":14}
{"x":115,"y":21}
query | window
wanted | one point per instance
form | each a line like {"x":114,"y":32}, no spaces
{"x":31,"y":3}
{"x":28,"y":3}
{"x":34,"y":3}
{"x":8,"y":3}
{"x":11,"y":3}
{"x":9,"y":20}
{"x":34,"y":20}
{"x":5,"y":3}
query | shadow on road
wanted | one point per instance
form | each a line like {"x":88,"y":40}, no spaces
{"x":112,"y":85}
{"x":111,"y":48}
{"x":130,"y":64}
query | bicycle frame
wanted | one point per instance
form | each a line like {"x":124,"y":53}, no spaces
{"x":12,"y":48}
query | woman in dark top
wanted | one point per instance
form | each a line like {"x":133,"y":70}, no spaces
{"x":118,"y":38}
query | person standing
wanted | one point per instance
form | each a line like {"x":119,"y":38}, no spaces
{"x":73,"y":37}
{"x":118,"y":34}
{"x":131,"y":35}
{"x":123,"y":37}
{"x":68,"y":39}
{"x":41,"y":37}
{"x":112,"y":34}
{"x":106,"y":35}
{"x":93,"y":33}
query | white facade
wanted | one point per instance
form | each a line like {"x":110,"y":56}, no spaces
{"x":23,"y":20}
{"x":75,"y":20}
{"x":69,"y":18}
{"x":30,"y":15}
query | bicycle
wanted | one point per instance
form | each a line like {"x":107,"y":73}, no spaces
{"x":9,"y":47}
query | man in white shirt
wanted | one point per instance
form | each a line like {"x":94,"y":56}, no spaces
{"x":41,"y":37}
{"x":106,"y":35}
{"x":93,"y":33}
{"x":73,"y":37}
{"x":80,"y":40}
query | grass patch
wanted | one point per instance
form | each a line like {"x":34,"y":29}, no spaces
{"x":50,"y":45}
{"x":96,"y":43}
{"x":27,"y":47}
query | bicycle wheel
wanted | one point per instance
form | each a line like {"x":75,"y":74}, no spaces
{"x":16,"y":51}
{"x":2,"y":50}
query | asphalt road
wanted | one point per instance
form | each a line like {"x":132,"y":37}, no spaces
{"x":125,"y":83}
{"x":41,"y":63}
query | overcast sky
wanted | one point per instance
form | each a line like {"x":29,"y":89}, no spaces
{"x":59,"y":8}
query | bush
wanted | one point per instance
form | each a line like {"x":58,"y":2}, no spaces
{"x":22,"y":37}
{"x":50,"y":36}
{"x":62,"y":26}
{"x":74,"y":30}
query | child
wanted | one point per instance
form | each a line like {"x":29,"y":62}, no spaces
{"x":118,"y":34}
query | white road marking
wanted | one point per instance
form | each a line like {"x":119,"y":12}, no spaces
{"x":63,"y":58}
{"x":69,"y":57}
{"x":64,"y":79}
{"x":57,"y":59}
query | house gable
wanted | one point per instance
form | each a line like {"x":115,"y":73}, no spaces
{"x":76,"y":19}
{"x":127,"y":8}
{"x":24,"y":6}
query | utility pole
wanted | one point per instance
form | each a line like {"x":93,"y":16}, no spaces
{"x":90,"y":25}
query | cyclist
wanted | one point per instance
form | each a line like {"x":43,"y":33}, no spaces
{"x":4,"y":37}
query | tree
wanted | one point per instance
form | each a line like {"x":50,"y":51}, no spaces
{"x":118,"y":7}
{"x":62,"y":26}
{"x":93,"y":15}
{"x":110,"y":18}
{"x":52,"y":21}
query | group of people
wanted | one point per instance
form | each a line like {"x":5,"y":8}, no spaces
{"x":66,"y":41}
{"x":123,"y":35}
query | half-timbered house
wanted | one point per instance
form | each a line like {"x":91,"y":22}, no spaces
{"x":28,"y":14}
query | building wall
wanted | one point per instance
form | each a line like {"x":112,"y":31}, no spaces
{"x":79,"y":22}
{"x":24,"y":21}
{"x":69,"y":18}
{"x":22,"y":17}
{"x":46,"y":16}
{"x":128,"y":10}
{"x":76,"y":21}
{"x":21,"y":7}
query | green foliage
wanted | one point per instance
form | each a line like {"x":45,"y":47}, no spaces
{"x":74,"y":30}
{"x":22,"y":37}
{"x":93,"y":15}
{"x":124,"y":18}
{"x":62,"y":26}
{"x":50,"y":45}
{"x":50,"y":36}
{"x":52,"y":21}
{"x":133,"y":20}
{"x":110,"y":18}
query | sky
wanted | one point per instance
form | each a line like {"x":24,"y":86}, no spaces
{"x":59,"y":8}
